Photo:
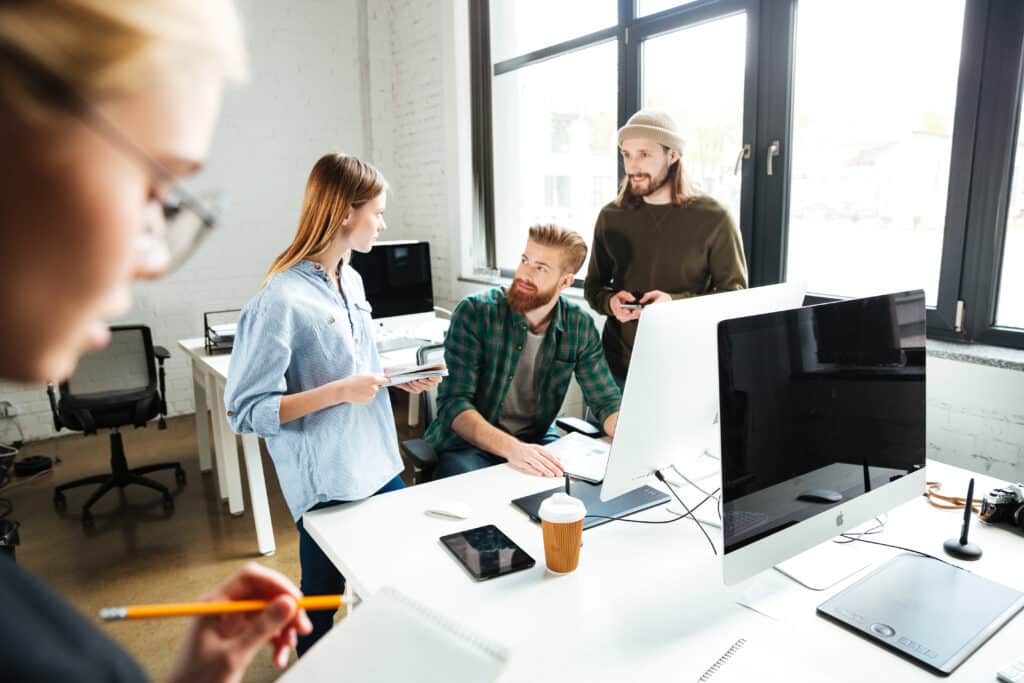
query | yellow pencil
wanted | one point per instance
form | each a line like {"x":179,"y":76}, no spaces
{"x":192,"y":609}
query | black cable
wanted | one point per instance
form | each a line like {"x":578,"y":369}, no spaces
{"x":900,"y":547}
{"x":849,"y":536}
{"x":658,"y":521}
{"x":672,"y":490}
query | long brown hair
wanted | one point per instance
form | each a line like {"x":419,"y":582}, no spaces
{"x":682,"y":190}
{"x":336,"y":185}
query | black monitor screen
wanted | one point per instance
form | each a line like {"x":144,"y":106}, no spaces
{"x":818,"y":405}
{"x":397,"y":278}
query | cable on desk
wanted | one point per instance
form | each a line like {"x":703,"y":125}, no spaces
{"x":672,"y":490}
{"x":657,"y":521}
{"x":900,"y":547}
{"x":880,"y":522}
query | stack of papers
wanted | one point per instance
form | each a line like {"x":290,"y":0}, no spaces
{"x":400,"y":374}
{"x":581,"y":456}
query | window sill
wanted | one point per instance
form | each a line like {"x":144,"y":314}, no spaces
{"x":979,"y":354}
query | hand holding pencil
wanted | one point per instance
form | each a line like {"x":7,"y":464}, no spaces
{"x":219,"y":646}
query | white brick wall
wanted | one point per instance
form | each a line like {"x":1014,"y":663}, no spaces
{"x":306,"y":97}
{"x":976,"y":417}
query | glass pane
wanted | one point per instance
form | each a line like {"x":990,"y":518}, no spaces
{"x":1011,"y":290}
{"x":645,"y":7}
{"x":872,"y":134}
{"x":711,"y":124}
{"x":522,"y":26}
{"x":554,"y":146}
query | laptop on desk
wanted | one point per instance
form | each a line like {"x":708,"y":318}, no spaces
{"x":629,"y":503}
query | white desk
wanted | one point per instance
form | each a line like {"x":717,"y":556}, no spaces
{"x":209,"y":376}
{"x":647,"y":600}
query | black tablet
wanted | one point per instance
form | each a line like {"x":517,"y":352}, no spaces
{"x":486,"y":552}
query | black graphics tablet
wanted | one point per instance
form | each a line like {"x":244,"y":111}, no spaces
{"x":486,"y":552}
{"x":634,"y":501}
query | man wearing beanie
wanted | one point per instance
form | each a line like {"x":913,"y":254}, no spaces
{"x":658,"y":240}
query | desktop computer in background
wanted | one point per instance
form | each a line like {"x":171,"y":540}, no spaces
{"x":669,"y":406}
{"x":822,"y":423}
{"x":397,"y":279}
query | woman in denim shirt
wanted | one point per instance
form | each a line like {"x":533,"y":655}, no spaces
{"x":305,"y":373}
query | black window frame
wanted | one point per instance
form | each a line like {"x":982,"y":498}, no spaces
{"x":985,"y":129}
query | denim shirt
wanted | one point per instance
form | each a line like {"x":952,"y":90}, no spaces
{"x":297,"y":334}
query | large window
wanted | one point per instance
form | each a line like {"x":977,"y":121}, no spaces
{"x":554,"y":146}
{"x":1011,"y":289}
{"x":860,"y":147}
{"x":872,"y":137}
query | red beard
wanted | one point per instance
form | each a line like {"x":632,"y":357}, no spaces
{"x":522,"y":301}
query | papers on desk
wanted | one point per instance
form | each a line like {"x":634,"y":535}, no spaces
{"x":391,"y":637}
{"x":400,"y":374}
{"x":581,"y":456}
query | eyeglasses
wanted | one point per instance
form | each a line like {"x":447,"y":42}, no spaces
{"x":166,"y":241}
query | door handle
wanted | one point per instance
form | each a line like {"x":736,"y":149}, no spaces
{"x":744,"y":154}
{"x":774,"y":150}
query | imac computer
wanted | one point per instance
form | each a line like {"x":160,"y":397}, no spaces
{"x":397,"y":279}
{"x":822,"y":424}
{"x":669,"y":406}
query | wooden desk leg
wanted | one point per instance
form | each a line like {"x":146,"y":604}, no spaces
{"x":229,"y":455}
{"x":202,"y":419}
{"x":258,"y":494}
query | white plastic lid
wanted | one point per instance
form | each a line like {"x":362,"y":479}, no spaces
{"x":561,"y":508}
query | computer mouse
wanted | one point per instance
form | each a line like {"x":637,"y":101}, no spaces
{"x":450,"y":509}
{"x":820,"y":496}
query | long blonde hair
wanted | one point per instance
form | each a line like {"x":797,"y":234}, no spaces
{"x":104,"y":48}
{"x":337,"y":184}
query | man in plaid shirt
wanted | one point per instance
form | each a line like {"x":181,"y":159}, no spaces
{"x":510,"y":356}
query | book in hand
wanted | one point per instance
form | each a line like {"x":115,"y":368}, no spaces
{"x":400,"y":374}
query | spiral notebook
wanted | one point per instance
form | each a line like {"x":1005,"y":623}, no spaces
{"x":391,"y":637}
{"x":745,"y":661}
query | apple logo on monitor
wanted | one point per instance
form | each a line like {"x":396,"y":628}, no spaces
{"x":839,"y":519}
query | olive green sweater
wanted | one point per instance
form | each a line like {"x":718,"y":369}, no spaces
{"x":683,"y":251}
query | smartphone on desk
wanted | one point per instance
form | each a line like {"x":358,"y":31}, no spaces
{"x":486,"y":552}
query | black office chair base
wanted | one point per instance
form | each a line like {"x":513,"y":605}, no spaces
{"x":119,"y":477}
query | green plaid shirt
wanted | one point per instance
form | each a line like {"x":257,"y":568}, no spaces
{"x":482,"y":351}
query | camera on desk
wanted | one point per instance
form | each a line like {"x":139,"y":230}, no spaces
{"x":1004,"y":506}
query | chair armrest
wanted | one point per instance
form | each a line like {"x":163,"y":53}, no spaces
{"x":421,"y":452}
{"x":161,"y":353}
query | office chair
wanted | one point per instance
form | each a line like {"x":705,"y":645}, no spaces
{"x":112,"y":388}
{"x":422,"y":454}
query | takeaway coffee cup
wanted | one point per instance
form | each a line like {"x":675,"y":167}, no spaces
{"x":561,"y":518}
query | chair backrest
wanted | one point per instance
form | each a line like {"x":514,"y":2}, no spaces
{"x":114,"y":386}
{"x":429,"y":353}
{"x":127,"y":364}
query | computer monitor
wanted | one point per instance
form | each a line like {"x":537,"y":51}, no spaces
{"x":670,"y":402}
{"x":396,"y":276}
{"x":822,"y":423}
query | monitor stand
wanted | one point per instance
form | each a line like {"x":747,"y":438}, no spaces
{"x":827,"y":564}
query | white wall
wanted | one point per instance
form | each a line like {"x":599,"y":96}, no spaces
{"x":306,"y":97}
{"x":976,"y":417}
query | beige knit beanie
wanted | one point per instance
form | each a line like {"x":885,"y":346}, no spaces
{"x":650,"y":124}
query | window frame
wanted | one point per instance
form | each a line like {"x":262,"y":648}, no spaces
{"x":986,"y":125}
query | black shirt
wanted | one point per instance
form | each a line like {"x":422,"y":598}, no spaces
{"x":43,"y":638}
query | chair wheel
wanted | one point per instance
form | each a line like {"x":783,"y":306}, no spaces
{"x":60,"y":502}
{"x":87,"y":521}
{"x":168,"y":504}
{"x":179,"y":476}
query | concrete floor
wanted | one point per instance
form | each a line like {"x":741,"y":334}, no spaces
{"x":136,"y":553}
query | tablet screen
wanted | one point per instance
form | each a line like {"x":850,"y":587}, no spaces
{"x":487,"y":552}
